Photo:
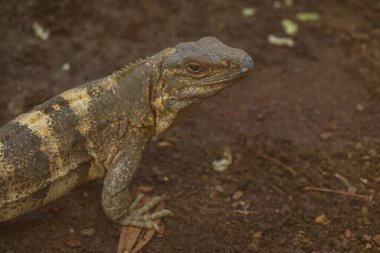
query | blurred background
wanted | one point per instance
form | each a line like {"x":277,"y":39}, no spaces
{"x":300,"y":136}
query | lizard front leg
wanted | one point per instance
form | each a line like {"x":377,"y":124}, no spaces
{"x":116,"y":196}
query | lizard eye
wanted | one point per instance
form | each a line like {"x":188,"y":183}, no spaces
{"x":195,"y":68}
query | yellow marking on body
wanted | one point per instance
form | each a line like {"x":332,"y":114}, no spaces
{"x":56,"y":107}
{"x":67,"y":183}
{"x":7,"y":171}
{"x":79,"y":101}
{"x":1,"y":154}
{"x":40,"y":124}
{"x":61,"y":186}
{"x":61,"y":179}
{"x":3,"y":169}
{"x":95,"y":172}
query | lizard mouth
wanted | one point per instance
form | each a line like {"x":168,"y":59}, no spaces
{"x":225,"y":81}
{"x":207,"y":88}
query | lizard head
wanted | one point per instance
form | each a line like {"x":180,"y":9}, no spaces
{"x":191,"y":72}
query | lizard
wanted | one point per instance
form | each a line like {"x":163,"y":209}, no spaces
{"x":100,"y":129}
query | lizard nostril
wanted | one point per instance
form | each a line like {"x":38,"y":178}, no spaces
{"x":247,"y":63}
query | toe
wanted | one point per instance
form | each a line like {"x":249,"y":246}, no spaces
{"x":137,"y":201}
{"x":149,"y":205}
{"x":159,"y":214}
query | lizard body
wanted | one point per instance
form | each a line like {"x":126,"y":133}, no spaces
{"x":100,"y":129}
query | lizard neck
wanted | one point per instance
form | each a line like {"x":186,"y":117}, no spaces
{"x":132,"y":90}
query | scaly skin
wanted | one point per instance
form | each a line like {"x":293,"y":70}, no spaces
{"x":100,"y":129}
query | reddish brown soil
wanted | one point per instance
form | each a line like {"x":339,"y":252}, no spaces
{"x":314,"y":107}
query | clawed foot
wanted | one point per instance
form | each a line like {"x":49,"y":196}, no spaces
{"x":138,"y":218}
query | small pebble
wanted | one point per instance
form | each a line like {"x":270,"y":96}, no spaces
{"x":322,"y":219}
{"x":348,"y":233}
{"x":219,"y":188}
{"x":87,"y":232}
{"x":364,"y":211}
{"x":157,"y":171}
{"x":359,"y":107}
{"x":325,"y":136}
{"x":260,"y":116}
{"x":164,"y":144}
{"x":237,"y":195}
{"x":372,"y":152}
{"x":258,"y":234}
{"x":73,"y":243}
{"x":235,"y":204}
{"x":359,"y":145}
{"x":367,"y":238}
{"x":352,"y":189}
{"x":145,"y":188}
{"x":66,"y":66}
{"x":376,"y":239}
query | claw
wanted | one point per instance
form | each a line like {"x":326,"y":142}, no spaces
{"x":137,"y":201}
{"x":155,"y":227}
{"x":159,"y":214}
{"x":137,"y":218}
{"x":152,"y":203}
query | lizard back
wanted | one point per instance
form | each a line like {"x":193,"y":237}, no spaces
{"x":45,"y":153}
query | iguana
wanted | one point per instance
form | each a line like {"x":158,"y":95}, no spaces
{"x":100,"y":129}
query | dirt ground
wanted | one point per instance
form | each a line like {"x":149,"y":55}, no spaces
{"x":306,"y":120}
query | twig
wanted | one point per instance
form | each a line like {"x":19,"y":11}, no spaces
{"x":343,"y":179}
{"x":149,"y":233}
{"x":132,"y":239}
{"x":354,"y":195}
{"x":128,"y":238}
{"x":278,"y":162}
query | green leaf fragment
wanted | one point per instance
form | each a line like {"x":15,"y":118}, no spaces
{"x":223,"y":163}
{"x":288,"y":3}
{"x":307,"y":16}
{"x":40,"y":32}
{"x":248,"y":12}
{"x":290,"y":27}
{"x":280,"y":41}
